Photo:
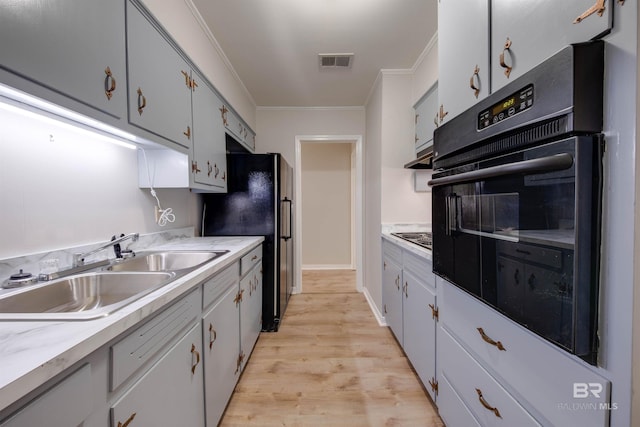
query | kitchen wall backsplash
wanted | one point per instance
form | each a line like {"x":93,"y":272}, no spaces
{"x":60,"y":259}
{"x":63,"y":188}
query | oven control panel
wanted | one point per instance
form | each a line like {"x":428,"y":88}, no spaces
{"x":508,"y":107}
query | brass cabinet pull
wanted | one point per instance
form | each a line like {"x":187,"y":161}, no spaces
{"x":213,"y":335}
{"x":187,"y":79}
{"x":398,"y":282}
{"x":194,"y":167}
{"x":109,"y":83}
{"x":435,"y":313}
{"x":596,"y":8}
{"x":486,"y":405}
{"x":406,"y":289}
{"x":434,"y":385}
{"x":194,"y":85}
{"x":209,"y":168}
{"x":488,"y":340}
{"x":435,"y":120}
{"x":223,"y":114}
{"x":442,"y":114}
{"x":253,"y":258}
{"x":507,"y":68}
{"x":217,"y":171}
{"x":195,"y":353}
{"x":472,"y":82}
{"x":187,"y":133}
{"x":126,"y":423}
{"x":142,"y":101}
{"x":224,"y":176}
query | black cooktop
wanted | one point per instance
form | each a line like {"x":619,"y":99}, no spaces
{"x":419,"y":238}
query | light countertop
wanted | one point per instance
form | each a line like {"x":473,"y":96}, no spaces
{"x":405,"y":245}
{"x":33,"y":352}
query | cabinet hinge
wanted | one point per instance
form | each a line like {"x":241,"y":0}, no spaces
{"x":434,"y":385}
{"x":435,"y":312}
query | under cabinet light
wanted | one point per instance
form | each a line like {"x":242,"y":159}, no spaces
{"x":24,"y":104}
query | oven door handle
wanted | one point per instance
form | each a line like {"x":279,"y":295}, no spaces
{"x":544,"y":164}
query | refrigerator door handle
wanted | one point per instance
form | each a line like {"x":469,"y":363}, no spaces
{"x":287,"y":234}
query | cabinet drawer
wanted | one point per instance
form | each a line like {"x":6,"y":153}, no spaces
{"x":216,"y":286}
{"x":420,"y":267}
{"x":139,"y":347}
{"x":74,"y":394}
{"x":392,"y":251}
{"x":536,"y":370}
{"x":481,"y":393}
{"x":249,"y":260}
{"x":451,"y":407}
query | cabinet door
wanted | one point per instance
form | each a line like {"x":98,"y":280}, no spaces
{"x":463,"y":48}
{"x":170,"y":393}
{"x":426,"y":118}
{"x":537,"y":29}
{"x":250,"y":310}
{"x":221,"y":341}
{"x":209,"y":158}
{"x":69,"y":47}
{"x":420,"y":329}
{"x":392,"y":296}
{"x":159,"y":92}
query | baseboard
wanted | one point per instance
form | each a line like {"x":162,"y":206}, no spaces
{"x":328,"y":267}
{"x":374,"y":309}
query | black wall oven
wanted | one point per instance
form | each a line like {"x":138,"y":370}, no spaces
{"x":517,"y":199}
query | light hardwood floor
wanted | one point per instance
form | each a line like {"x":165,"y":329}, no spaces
{"x":330,"y":364}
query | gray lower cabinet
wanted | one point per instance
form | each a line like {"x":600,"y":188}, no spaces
{"x":159,"y":90}
{"x":170,"y":392}
{"x":221,"y":339}
{"x":419,"y":318}
{"x":73,"y":50}
{"x":67,"y":403}
{"x":208,"y":155}
{"x":391,"y":284}
{"x":250,"y":302}
{"x":409,"y":296}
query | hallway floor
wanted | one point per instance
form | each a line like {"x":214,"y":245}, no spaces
{"x":330,"y":364}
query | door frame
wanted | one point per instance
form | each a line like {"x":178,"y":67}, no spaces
{"x":357,"y":210}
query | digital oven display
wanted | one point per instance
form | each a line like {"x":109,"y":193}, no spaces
{"x":508,"y":107}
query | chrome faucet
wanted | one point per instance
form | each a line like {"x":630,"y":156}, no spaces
{"x":78,"y":259}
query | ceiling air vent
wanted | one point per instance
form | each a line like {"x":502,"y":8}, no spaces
{"x":335,"y":60}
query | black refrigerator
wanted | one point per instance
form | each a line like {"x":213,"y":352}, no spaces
{"x":259,"y":202}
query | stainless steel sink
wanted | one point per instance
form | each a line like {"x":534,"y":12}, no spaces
{"x":166,"y":261}
{"x":81,"y":297}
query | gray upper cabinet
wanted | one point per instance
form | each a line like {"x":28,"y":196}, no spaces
{"x":463,"y":55}
{"x":426,"y":118}
{"x":159,"y":89}
{"x":73,"y":50}
{"x":536,"y":29}
{"x":208,"y":160}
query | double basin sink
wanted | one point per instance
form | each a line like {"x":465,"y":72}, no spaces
{"x":99,"y":293}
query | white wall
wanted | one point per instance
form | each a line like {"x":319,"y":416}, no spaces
{"x":400,"y":203}
{"x":61,"y":189}
{"x":373,"y":198}
{"x":277,"y":128}
{"x":326,"y":205}
{"x":425,"y":70}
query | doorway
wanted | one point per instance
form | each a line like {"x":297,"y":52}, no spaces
{"x":315,"y":153}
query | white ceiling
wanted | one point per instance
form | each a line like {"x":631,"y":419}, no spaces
{"x":273,"y":45}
